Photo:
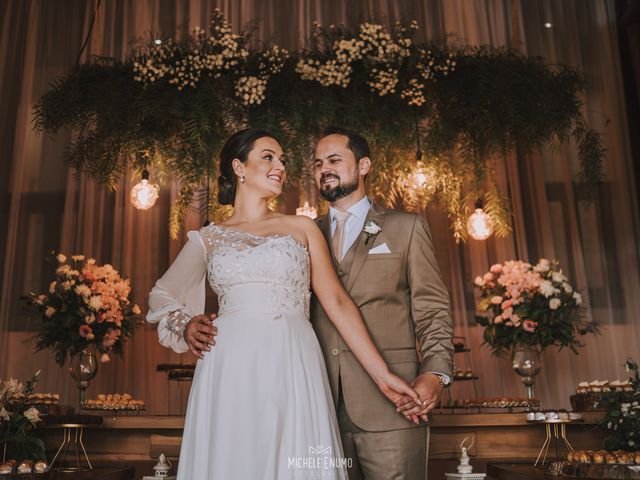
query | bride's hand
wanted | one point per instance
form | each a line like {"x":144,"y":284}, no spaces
{"x":199,"y":334}
{"x":395,"y":388}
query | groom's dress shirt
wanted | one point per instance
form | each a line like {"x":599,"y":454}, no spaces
{"x":354,"y":224}
{"x":352,"y":228}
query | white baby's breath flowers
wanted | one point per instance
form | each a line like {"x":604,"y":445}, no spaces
{"x":383,"y":82}
{"x":251,"y":89}
{"x":413,"y":94}
{"x":221,"y":51}
{"x":327,"y":74}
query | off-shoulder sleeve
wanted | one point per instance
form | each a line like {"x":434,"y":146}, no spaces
{"x":180,"y":294}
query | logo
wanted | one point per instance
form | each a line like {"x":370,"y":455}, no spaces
{"x":319,"y":450}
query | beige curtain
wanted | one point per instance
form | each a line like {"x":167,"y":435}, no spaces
{"x":45,"y":207}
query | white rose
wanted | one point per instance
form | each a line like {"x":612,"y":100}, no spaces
{"x":372,"y":228}
{"x":95,"y":302}
{"x":554,"y":303}
{"x":82,"y":290}
{"x":567,"y":288}
{"x":479,"y":281}
{"x":577,"y":297}
{"x":50,"y":311}
{"x":546,"y":288}
{"x":558,"y":277}
{"x":33,"y":415}
{"x":61,"y":258}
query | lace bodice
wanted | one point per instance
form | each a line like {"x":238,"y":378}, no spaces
{"x":254,"y":274}
{"x":262,"y":274}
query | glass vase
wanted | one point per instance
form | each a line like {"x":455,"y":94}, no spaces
{"x":526,"y":361}
{"x":84,"y":367}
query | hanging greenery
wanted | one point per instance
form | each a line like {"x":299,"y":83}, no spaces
{"x":171,"y":104}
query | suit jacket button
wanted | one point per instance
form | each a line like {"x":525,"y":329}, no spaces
{"x":335,"y":351}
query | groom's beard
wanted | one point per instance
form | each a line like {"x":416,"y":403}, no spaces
{"x":339,"y":191}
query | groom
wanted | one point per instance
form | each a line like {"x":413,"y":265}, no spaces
{"x":386,"y":262}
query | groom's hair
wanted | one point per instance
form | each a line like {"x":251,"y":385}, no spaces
{"x":357,"y":143}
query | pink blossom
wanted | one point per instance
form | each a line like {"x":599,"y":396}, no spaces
{"x":509,"y":323}
{"x":498,"y":319}
{"x":85,"y":330}
{"x":104,"y":358}
{"x":516,"y":319}
{"x":529,"y":325}
{"x":507,"y":312}
{"x":507,"y":304}
{"x":488,"y":277}
{"x":497,"y":300}
{"x":497,"y":268}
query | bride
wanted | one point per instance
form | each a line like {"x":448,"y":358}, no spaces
{"x":260,"y":405}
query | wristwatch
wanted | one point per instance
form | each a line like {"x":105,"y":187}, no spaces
{"x":445,"y":380}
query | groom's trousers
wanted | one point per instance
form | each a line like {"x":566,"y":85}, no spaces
{"x":389,"y":455}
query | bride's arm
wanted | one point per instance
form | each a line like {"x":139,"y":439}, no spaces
{"x":179,"y":295}
{"x":346,"y":317}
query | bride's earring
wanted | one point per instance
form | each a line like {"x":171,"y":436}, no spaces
{"x":241,"y":178}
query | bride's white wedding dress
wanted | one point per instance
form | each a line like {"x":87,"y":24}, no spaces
{"x":260,"y":405}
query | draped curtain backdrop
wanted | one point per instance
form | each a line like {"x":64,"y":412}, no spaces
{"x":44,"y":206}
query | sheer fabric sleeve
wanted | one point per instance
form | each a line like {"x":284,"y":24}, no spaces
{"x":180,"y":294}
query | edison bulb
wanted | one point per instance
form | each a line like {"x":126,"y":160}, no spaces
{"x":144,"y":194}
{"x":479,"y":225}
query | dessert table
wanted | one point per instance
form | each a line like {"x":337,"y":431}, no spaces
{"x":499,"y":437}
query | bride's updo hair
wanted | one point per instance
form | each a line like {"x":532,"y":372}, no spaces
{"x":237,"y":146}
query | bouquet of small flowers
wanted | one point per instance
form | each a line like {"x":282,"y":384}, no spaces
{"x":87,"y":305}
{"x":526,"y":305}
{"x":623,"y":415}
{"x":18,"y":420}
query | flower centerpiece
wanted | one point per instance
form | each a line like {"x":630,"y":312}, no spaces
{"x":18,"y":420}
{"x":526,"y":308}
{"x":87,"y":307}
{"x":622,"y":419}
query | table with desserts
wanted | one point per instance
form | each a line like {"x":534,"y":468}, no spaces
{"x":506,"y":431}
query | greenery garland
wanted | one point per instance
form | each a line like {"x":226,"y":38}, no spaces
{"x":171,"y":104}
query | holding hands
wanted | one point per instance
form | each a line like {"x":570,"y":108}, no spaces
{"x":429,"y":389}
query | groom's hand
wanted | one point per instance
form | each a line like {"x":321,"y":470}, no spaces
{"x":430,"y":390}
{"x":199,"y":334}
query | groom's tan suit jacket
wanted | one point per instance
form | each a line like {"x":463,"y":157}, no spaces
{"x":402,"y":298}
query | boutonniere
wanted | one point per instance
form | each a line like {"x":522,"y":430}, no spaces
{"x":371,"y":229}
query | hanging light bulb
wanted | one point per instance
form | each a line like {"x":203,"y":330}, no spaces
{"x":479,"y":224}
{"x":143,"y":193}
{"x":306,"y":210}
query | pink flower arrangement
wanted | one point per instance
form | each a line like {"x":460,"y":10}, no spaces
{"x":86,"y":305}
{"x":524,"y":304}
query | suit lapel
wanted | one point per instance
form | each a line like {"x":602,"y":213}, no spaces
{"x":376,"y":215}
{"x":325,"y":227}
